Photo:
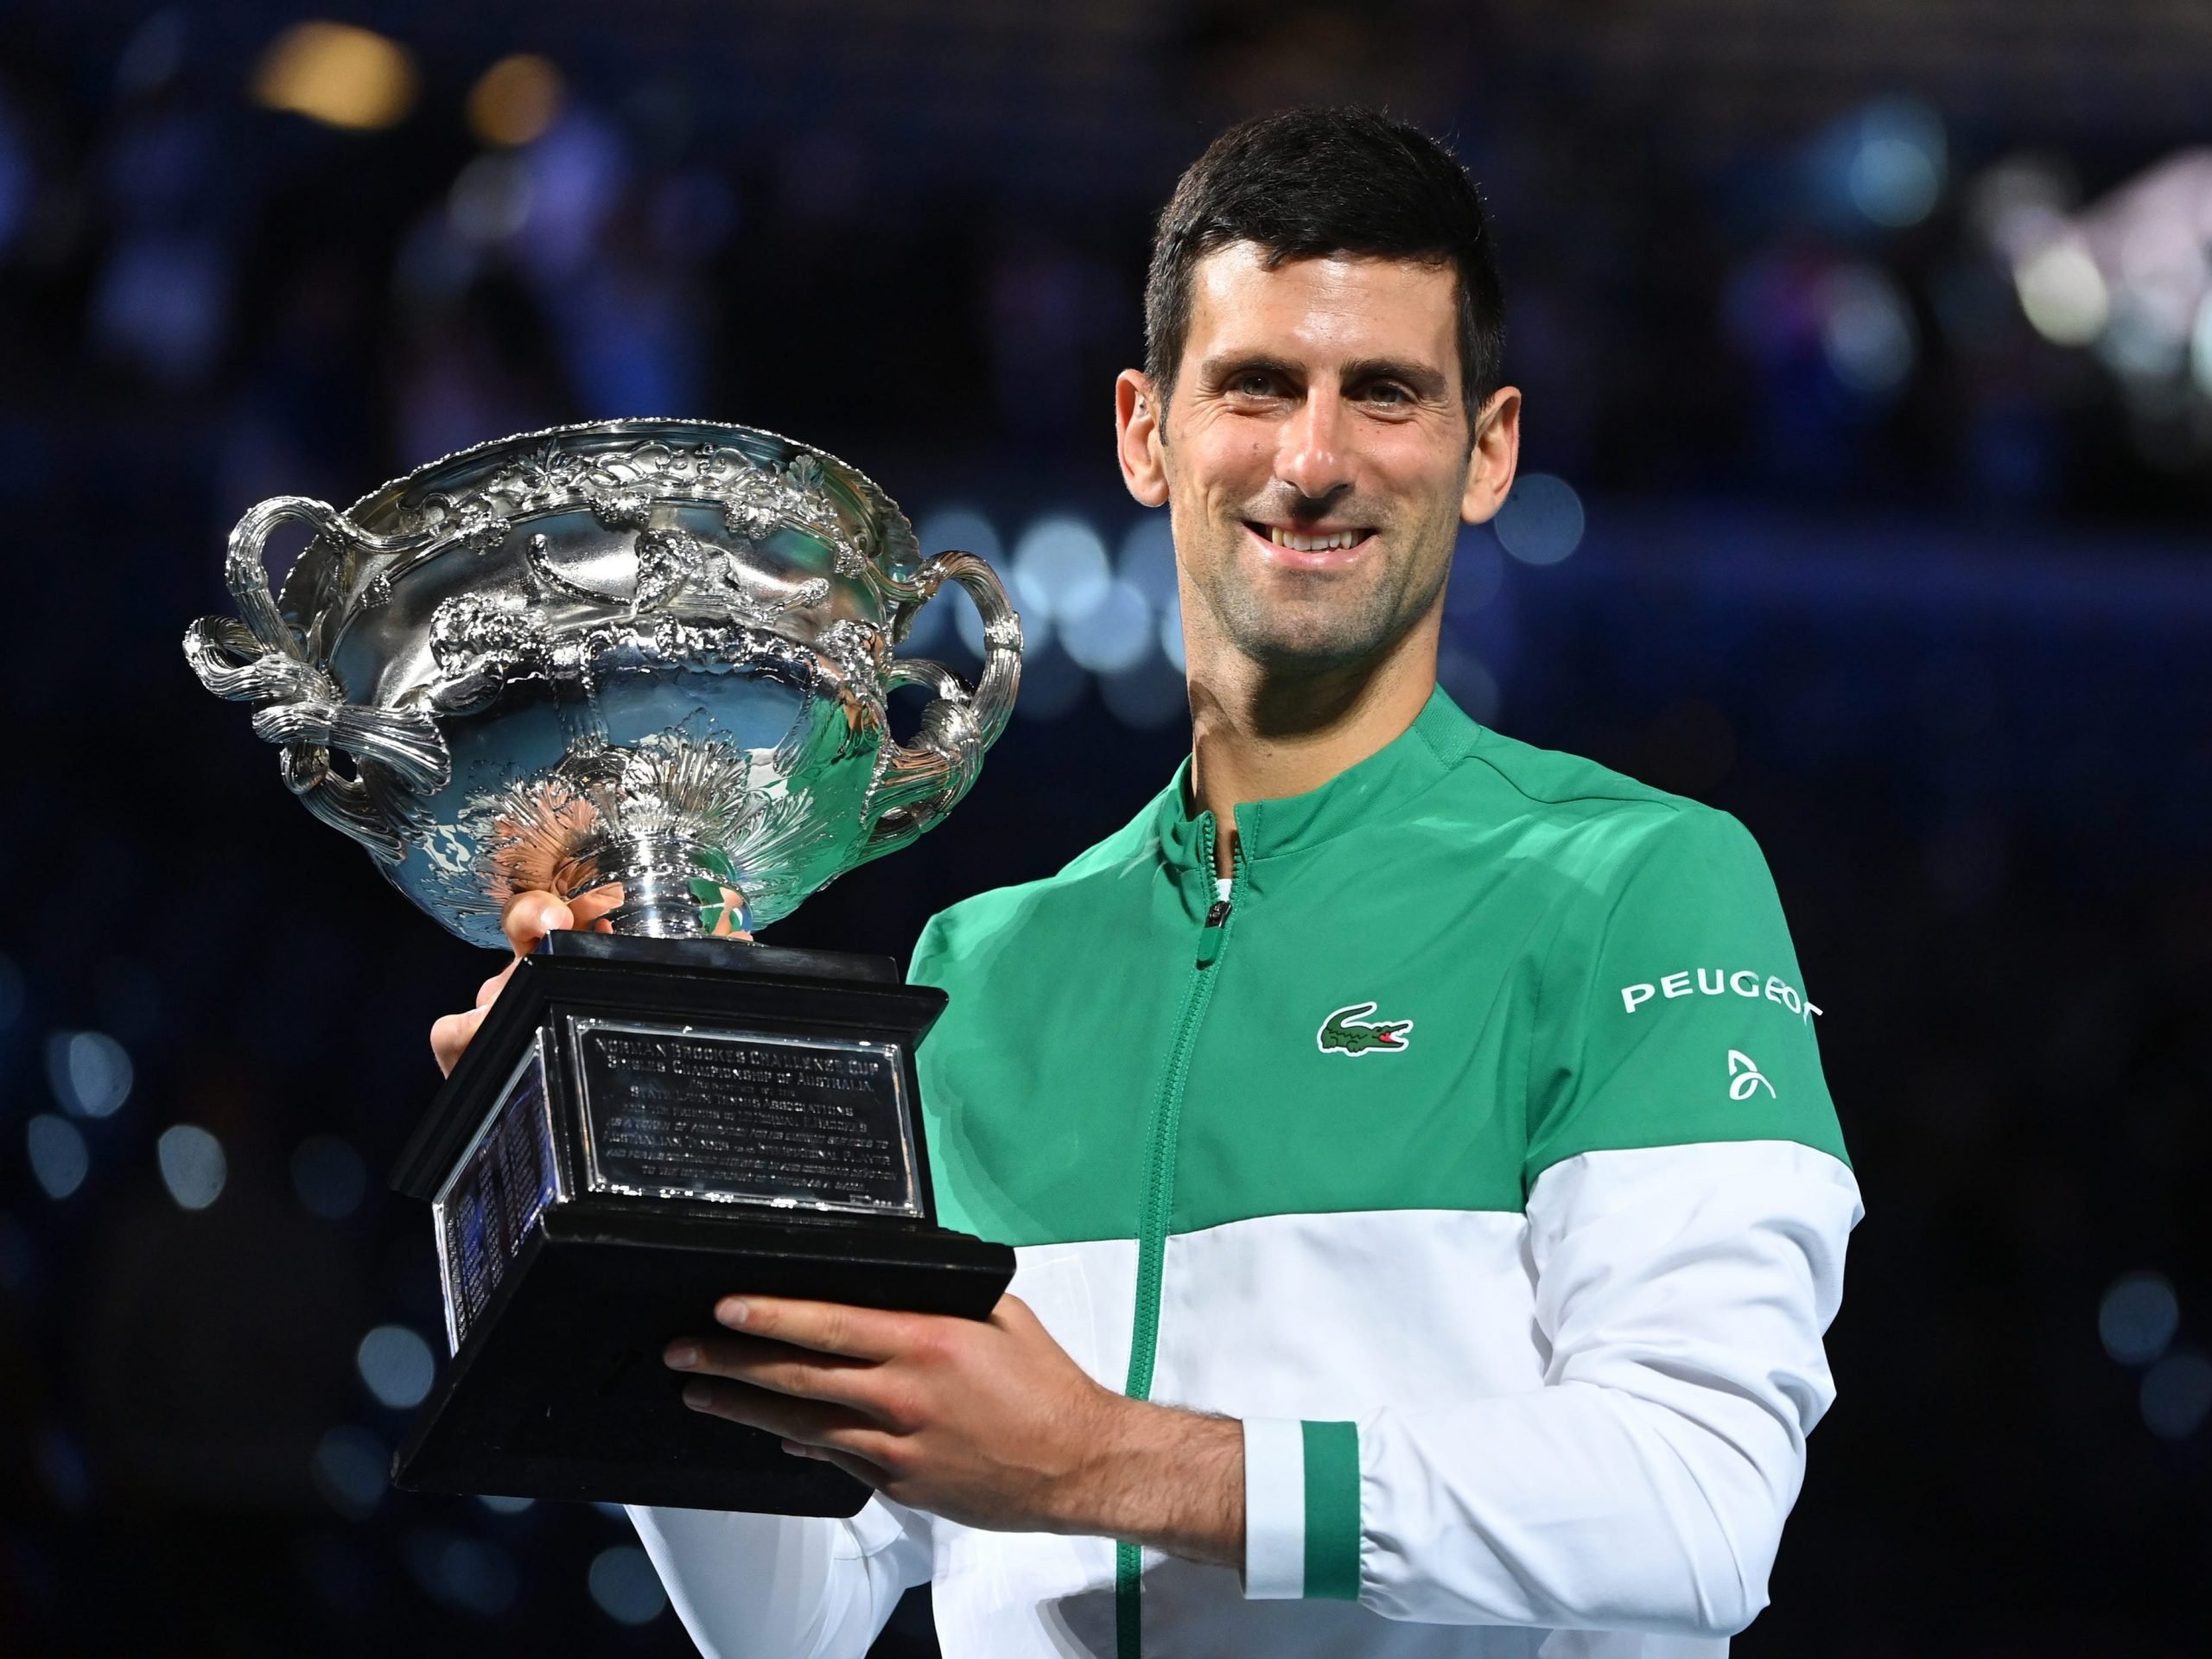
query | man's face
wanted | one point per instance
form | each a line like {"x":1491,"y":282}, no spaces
{"x":1316,"y":455}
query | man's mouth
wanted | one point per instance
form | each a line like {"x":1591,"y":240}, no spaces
{"x":1317,"y":540}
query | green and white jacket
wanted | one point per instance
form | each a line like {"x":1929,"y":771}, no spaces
{"x":1472,"y":1149}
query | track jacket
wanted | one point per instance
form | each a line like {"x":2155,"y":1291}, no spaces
{"x":1473,"y":1150}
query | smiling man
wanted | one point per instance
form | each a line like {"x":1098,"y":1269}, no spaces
{"x":1405,"y":1266}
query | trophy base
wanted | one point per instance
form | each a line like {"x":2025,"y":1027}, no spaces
{"x":640,"y":1128}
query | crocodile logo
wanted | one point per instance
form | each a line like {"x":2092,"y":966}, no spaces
{"x":1348,"y":1031}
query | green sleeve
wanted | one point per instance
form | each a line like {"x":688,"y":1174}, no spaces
{"x":925,"y":967}
{"x":1670,"y":1008}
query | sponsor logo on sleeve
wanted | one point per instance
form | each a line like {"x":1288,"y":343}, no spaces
{"x":1718,"y":982}
{"x":1348,"y":1031}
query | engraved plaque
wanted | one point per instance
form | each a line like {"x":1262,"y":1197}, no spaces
{"x":502,"y":1183}
{"x":739,"y":1117}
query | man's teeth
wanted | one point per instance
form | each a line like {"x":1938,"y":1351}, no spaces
{"x":1315,"y":543}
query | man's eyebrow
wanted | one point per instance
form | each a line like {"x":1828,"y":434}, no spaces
{"x":1215,"y":370}
{"x":1419,"y":378}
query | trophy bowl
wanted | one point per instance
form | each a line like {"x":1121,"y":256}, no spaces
{"x":648,"y":659}
{"x":650,"y":652}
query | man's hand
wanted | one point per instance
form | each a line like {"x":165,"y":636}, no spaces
{"x":986,"y":1422}
{"x":529,"y":918}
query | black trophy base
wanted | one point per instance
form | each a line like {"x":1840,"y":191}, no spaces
{"x":571,"y":1258}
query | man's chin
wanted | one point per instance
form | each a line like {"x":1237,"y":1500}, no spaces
{"x":1317,"y":649}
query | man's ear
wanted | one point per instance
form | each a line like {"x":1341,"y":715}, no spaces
{"x":1139,"y":438}
{"x":1494,"y":456}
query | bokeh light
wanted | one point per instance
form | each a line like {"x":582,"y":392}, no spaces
{"x":192,"y":1165}
{"x":338,"y":75}
{"x":60,"y":1159}
{"x":1541,"y":522}
{"x":397,"y":1366}
{"x":1147,"y":559}
{"x":349,"y":1471}
{"x":2063,"y":293}
{"x":1112,"y":632}
{"x":624,"y":1584}
{"x":1468,"y":680}
{"x":1897,"y":172}
{"x":491,"y":200}
{"x":1061,"y":567}
{"x":2138,"y":1317}
{"x":1866,"y":330}
{"x":329,"y":1177}
{"x":516,"y":99}
{"x":2177,"y":1396}
{"x":472,"y":1575}
{"x":89,"y":1071}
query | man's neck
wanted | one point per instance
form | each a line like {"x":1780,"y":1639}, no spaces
{"x":1257,"y":736}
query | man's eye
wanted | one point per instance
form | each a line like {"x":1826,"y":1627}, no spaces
{"x":1387,"y":393}
{"x":1253,"y":385}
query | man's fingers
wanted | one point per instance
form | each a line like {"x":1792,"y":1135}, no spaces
{"x":590,"y":908}
{"x":530,"y":916}
{"x":488,"y":992}
{"x":450,"y":1037}
{"x":778,"y":1367}
{"x":826,"y":1327}
{"x":809,"y":1423}
{"x":859,"y":1469}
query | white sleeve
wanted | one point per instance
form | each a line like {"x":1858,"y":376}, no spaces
{"x":779,"y":1587}
{"x":1680,"y":1295}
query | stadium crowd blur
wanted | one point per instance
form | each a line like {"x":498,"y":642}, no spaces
{"x":1868,"y":357}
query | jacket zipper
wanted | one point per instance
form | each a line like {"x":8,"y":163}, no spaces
{"x":1159,"y":1201}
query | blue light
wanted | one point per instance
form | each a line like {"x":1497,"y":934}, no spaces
{"x":1060,"y":565}
{"x":1147,"y":561}
{"x":625,"y":1587}
{"x":329,"y":1177}
{"x":1112,"y":633}
{"x":397,"y":1365}
{"x":2138,"y":1317}
{"x":2177,"y":1396}
{"x":1541,"y":521}
{"x":1896,"y":172}
{"x":89,"y":1071}
{"x":349,"y":1471}
{"x":59,"y":1157}
{"x":192,"y":1165}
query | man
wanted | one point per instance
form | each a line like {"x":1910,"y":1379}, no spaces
{"x":1427,"y":1201}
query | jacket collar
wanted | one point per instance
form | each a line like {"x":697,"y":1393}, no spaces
{"x":1372,"y":791}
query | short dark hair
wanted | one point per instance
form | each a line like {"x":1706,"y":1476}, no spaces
{"x":1305,"y":183}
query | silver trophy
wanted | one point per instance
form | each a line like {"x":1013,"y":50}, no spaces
{"x":650,"y":652}
{"x":648,"y":659}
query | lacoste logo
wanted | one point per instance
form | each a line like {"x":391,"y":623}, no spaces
{"x":1744,"y":1077}
{"x":1348,"y":1031}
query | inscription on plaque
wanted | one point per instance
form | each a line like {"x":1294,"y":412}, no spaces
{"x":499,"y":1189}
{"x":679,"y":1110}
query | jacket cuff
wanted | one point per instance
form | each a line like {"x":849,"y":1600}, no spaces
{"x":1301,"y":1510}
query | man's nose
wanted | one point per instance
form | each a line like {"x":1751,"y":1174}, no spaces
{"x":1313,"y":457}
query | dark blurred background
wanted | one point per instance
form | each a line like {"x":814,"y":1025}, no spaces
{"x":1868,"y":356}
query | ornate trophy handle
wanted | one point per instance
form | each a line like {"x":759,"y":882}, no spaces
{"x":257,"y":656}
{"x":925,"y":779}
